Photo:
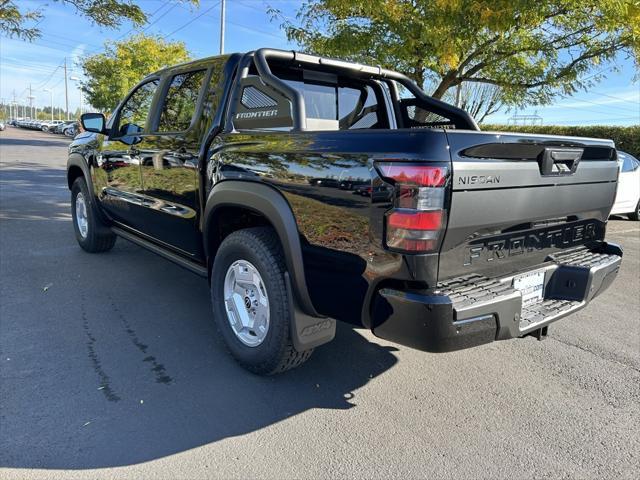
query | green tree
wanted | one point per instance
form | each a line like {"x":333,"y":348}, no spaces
{"x":19,"y":22}
{"x":110,"y":75}
{"x":531,"y":50}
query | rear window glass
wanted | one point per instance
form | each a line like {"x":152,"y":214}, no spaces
{"x":350,"y":107}
{"x":179,"y":105}
{"x":332,"y":102}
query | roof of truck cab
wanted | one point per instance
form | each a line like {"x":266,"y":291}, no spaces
{"x":200,"y":62}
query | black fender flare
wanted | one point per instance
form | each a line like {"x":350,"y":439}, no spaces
{"x":77,"y":160}
{"x":309,"y":328}
{"x":266,"y":201}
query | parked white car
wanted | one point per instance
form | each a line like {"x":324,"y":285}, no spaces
{"x":628,"y":196}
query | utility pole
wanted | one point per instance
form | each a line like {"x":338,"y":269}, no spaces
{"x":458,"y":94}
{"x":222,"y":5}
{"x":77,"y":80}
{"x":66,"y":91}
{"x":30,"y":102}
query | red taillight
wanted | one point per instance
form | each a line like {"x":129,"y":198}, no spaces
{"x":418,"y":217}
{"x":418,"y":175}
{"x":415,"y":220}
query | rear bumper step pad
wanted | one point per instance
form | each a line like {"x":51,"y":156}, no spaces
{"x":474,"y":309}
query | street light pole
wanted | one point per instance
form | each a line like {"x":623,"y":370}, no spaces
{"x":66,"y":90}
{"x":31,"y":98}
{"x":222,"y":8}
{"x":50,"y":90}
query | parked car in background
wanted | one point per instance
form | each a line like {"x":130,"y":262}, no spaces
{"x":628,"y":194}
{"x":30,"y":124}
{"x":48,"y":125}
{"x":324,"y":182}
{"x":71,"y":129}
{"x":60,"y":127}
{"x":2,"y":126}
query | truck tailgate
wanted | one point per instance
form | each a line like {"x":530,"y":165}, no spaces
{"x":516,"y":199}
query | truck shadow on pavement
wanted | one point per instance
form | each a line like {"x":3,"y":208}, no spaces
{"x":30,"y":142}
{"x":114,"y":359}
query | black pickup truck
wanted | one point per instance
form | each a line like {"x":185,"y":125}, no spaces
{"x":309,"y":190}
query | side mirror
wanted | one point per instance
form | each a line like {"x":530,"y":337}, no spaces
{"x":127,"y":134}
{"x":93,"y":122}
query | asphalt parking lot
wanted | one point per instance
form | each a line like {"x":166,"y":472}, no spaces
{"x":110,"y":367}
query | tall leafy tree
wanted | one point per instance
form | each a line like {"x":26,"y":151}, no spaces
{"x":530,"y":50}
{"x":17,"y":21}
{"x":111,"y":74}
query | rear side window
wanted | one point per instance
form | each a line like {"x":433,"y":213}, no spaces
{"x":133,"y":114}
{"x":629,"y":163}
{"x":179,"y":105}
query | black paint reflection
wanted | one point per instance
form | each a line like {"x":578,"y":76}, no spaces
{"x":338,"y":202}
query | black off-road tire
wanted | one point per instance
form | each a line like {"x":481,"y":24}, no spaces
{"x":635,"y":215}
{"x":99,"y":237}
{"x":261,"y":247}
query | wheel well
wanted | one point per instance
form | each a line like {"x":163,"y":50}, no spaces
{"x":73,"y":173}
{"x":228,"y":219}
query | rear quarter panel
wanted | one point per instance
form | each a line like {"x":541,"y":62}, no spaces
{"x":341,"y":229}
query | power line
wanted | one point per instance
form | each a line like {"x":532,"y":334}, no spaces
{"x":591,"y":121}
{"x":66,"y":50}
{"x":192,"y":20}
{"x":150,"y":16}
{"x":249,"y":28}
{"x":616,"y":98}
{"x":41,"y":85}
{"x":596,"y":104}
{"x":68,"y":38}
{"x":41,"y":71}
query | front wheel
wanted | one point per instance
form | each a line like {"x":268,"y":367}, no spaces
{"x":635,"y":215}
{"x":92,"y":235}
{"x":251,"y":303}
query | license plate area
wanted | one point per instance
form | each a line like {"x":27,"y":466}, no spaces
{"x":531,"y":285}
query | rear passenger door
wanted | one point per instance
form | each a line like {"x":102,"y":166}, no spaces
{"x":169,"y":162}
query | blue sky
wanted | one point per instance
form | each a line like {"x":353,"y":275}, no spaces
{"x":615,"y":101}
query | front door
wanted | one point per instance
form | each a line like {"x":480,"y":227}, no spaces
{"x":118,"y":176}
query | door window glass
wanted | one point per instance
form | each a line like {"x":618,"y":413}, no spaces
{"x":629,"y":164}
{"x":179,"y":106}
{"x":134,"y":113}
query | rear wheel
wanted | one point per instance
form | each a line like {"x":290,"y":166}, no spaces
{"x":92,"y":235}
{"x":251,"y":304}
{"x":635,"y":215}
